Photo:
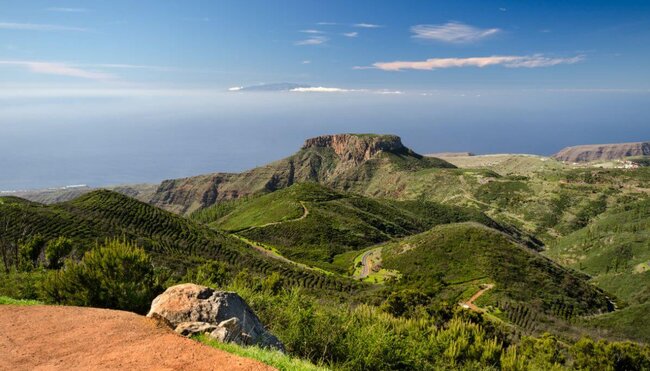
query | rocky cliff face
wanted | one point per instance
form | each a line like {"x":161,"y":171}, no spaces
{"x":602,"y":152}
{"x":357,"y":148}
{"x":342,"y":161}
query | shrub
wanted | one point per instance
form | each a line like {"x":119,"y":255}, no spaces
{"x":56,"y":250}
{"x":30,"y":251}
{"x":117,"y":275}
{"x":211,"y":273}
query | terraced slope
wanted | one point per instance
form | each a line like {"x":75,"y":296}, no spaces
{"x":173,"y":241}
{"x":452,"y":261}
{"x":615,"y":250}
{"x":313,"y":224}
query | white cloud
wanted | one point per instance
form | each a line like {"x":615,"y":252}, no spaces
{"x":37,"y":27}
{"x":350,"y":34}
{"x":312,"y":31}
{"x":510,"y":61}
{"x":367,"y":25}
{"x":327,"y":23}
{"x":320,"y":89}
{"x":235,"y":88}
{"x":452,"y":32}
{"x":306,"y":62}
{"x":59,"y":69}
{"x":68,"y":10}
{"x":389,"y":92}
{"x":315,"y":40}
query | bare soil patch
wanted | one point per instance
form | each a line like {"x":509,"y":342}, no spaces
{"x":74,"y":338}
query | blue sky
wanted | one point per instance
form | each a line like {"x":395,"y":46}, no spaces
{"x":560,"y":44}
{"x":131,"y":91}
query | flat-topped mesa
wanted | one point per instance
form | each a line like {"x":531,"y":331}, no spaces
{"x":602,"y":152}
{"x":357,"y":147}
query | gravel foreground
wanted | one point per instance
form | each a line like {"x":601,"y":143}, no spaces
{"x":75,"y":338}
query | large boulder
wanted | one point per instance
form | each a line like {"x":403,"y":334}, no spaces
{"x":192,"y":309}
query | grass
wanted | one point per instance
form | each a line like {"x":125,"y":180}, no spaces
{"x":273,"y":358}
{"x":5,"y":300}
{"x":627,"y":323}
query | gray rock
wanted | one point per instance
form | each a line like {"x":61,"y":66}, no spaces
{"x":232,"y":318}
{"x":194,"y":328}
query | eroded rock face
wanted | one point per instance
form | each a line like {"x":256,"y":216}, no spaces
{"x":602,"y":152}
{"x":192,"y":309}
{"x":356,"y":148}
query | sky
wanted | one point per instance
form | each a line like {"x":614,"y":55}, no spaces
{"x":106,"y":92}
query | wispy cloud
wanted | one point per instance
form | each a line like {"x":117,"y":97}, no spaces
{"x":327,"y":23}
{"x":315,"y":40}
{"x":311,"y":31}
{"x":59,"y":69}
{"x":306,"y":62}
{"x":67,"y":10}
{"x":367,"y":25}
{"x":38,"y":27}
{"x":350,"y":34}
{"x":452,"y":32}
{"x":510,"y":61}
{"x":320,"y":89}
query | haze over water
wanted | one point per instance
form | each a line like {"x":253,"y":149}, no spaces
{"x":104,"y":141}
{"x":120,"y":92}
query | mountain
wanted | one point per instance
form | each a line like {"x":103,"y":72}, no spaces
{"x":602,"y":152}
{"x":341,"y":161}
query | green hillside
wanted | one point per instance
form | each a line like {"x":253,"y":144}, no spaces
{"x":451,"y":261}
{"x":174,"y":242}
{"x":614,"y":249}
{"x":314,"y":224}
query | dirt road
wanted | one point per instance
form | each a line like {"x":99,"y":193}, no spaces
{"x":73,"y":338}
{"x":470,"y":303}
{"x":365,"y":265}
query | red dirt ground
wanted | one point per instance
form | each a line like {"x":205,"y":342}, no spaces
{"x":73,"y":338}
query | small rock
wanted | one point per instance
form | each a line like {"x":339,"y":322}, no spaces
{"x":194,"y":328}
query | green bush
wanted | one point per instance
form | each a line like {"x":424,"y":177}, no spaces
{"x":117,"y":275}
{"x":30,"y":251}
{"x":210,"y":273}
{"x":56,"y":250}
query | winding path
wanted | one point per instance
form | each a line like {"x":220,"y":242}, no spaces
{"x":470,"y":303}
{"x":303,"y":216}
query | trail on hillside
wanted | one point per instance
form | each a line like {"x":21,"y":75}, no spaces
{"x":303,"y":216}
{"x":266,"y":250}
{"x":470,"y":303}
{"x":74,"y":338}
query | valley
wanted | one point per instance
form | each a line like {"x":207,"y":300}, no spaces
{"x":523,"y":246}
